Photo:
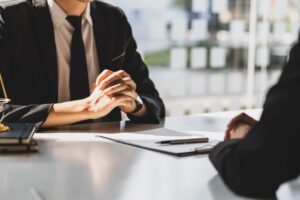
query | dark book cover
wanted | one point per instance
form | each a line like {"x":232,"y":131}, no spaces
{"x":19,"y":133}
{"x":19,"y":148}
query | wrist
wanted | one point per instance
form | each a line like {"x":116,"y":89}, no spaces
{"x":78,"y":108}
{"x":137,"y":107}
{"x":142,"y":112}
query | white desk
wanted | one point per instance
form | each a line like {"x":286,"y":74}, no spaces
{"x":105,"y":170}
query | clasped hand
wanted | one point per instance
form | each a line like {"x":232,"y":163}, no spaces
{"x":239,"y":126}
{"x":111,"y":90}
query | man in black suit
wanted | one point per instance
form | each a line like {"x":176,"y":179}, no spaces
{"x":257,"y":157}
{"x":51,"y":52}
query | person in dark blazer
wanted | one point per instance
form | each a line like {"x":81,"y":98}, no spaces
{"x":258,"y":156}
{"x":52,"y":51}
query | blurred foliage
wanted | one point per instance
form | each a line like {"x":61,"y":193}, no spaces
{"x":180,"y":3}
{"x":236,"y":57}
{"x":158,"y":58}
{"x":185,"y":4}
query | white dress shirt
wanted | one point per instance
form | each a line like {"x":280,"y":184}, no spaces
{"x":63,"y":32}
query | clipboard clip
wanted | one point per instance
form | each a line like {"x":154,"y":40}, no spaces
{"x":204,"y":149}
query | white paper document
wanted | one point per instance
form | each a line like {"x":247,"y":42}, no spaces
{"x":149,"y":140}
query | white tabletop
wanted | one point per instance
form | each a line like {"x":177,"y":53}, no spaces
{"x":71,"y":164}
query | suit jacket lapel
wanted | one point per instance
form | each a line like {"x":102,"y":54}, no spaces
{"x":101,"y":34}
{"x":46,"y":40}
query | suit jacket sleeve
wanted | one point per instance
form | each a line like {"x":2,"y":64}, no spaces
{"x":268,"y":156}
{"x":6,"y":61}
{"x":26,"y":114}
{"x":135,"y":66}
{"x":13,"y":113}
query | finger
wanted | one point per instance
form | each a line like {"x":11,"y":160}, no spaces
{"x":128,"y":106}
{"x":241,"y":131}
{"x":123,"y":74}
{"x":245,"y":119}
{"x":226,"y":136}
{"x":104,"y":74}
{"x":96,"y":94}
{"x":109,"y":102}
{"x":235,"y":120}
{"x":117,"y":101}
{"x":249,"y":120}
{"x":126,"y":103}
{"x":93,"y":86}
{"x":115,"y":89}
{"x":127,"y":78}
{"x":101,"y":103}
{"x":130,"y":82}
{"x":232,"y":133}
{"x":238,"y":117}
{"x":109,"y":80}
{"x":129,"y":92}
{"x":129,"y":98}
{"x":97,"y":97}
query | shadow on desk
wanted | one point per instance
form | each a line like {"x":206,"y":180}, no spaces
{"x":69,"y":170}
{"x":107,"y":127}
{"x":220,"y":191}
{"x":189,"y":123}
{"x":289,"y":190}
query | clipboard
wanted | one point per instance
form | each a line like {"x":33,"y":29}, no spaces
{"x":148,"y":140}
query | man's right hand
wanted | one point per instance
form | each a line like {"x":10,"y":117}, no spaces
{"x":99,"y":105}
{"x":109,"y":78}
{"x":120,"y":83}
{"x":107,"y":93}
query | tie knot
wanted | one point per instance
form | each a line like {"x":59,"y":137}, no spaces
{"x":75,"y":21}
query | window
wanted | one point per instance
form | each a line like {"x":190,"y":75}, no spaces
{"x":199,"y":51}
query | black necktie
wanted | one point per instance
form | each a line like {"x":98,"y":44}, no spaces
{"x":79,"y":83}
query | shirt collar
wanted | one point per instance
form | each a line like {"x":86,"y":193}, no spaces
{"x":87,"y":14}
{"x":58,"y":15}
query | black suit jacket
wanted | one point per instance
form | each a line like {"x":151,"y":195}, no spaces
{"x":28,"y":55}
{"x":269,"y":155}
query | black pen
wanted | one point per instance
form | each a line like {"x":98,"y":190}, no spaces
{"x":184,"y":141}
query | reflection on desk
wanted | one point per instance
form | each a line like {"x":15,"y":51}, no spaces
{"x":81,"y":168}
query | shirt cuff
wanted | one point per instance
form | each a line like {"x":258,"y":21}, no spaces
{"x":152,"y":116}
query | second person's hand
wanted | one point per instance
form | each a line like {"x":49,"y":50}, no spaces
{"x":239,"y":126}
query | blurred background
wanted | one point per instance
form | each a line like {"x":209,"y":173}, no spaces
{"x":213,"y":55}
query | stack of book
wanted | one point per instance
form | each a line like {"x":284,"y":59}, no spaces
{"x":19,"y":139}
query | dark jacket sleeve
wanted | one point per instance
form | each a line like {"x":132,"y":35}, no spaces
{"x":135,"y":66}
{"x":6,"y":61}
{"x":13,"y":113}
{"x":26,"y":114}
{"x":268,"y":156}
